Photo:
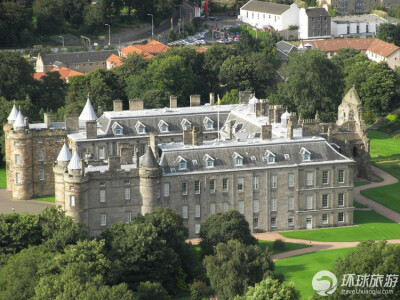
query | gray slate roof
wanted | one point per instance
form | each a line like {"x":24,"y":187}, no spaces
{"x":149,"y":161}
{"x":358,"y":19}
{"x":321,"y":153}
{"x":317,"y":12}
{"x":77,"y":57}
{"x":266,"y":7}
{"x":284,"y":49}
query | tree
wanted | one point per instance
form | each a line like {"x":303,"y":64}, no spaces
{"x":52,"y":91}
{"x":133,"y":64}
{"x":389,"y":33}
{"x":235,"y":266}
{"x":49,"y":15}
{"x":151,"y":290}
{"x":369,"y":258}
{"x":312,"y":83}
{"x":343,"y":55}
{"x":235,"y":73}
{"x":247,"y":44}
{"x":231,"y":97}
{"x":223,"y":227}
{"x":271,"y":289}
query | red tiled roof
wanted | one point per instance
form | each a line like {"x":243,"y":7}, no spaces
{"x":201,"y":50}
{"x":382,"y":48}
{"x":38,"y":75}
{"x":337,"y":44}
{"x":64,"y":73}
{"x":134,"y":49}
{"x":149,"y":50}
{"x":114,"y":59}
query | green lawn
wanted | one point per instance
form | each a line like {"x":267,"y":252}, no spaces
{"x":289,"y":246}
{"x":361,"y":183}
{"x":383,"y":146}
{"x":46,"y":199}
{"x":358,"y":205}
{"x":3,"y":179}
{"x":301,"y":268}
{"x":371,"y":226}
{"x":388,"y":196}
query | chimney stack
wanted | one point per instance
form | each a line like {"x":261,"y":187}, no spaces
{"x":114,"y":163}
{"x":173,"y":101}
{"x":187,"y":137}
{"x":117,"y":105}
{"x":135,"y":104}
{"x":91,"y":129}
{"x":154,"y":144}
{"x":137,"y":156}
{"x":99,"y":110}
{"x":194,"y":100}
{"x":212,"y":98}
{"x":47,"y":120}
{"x":229,"y":129}
{"x":197,"y":136}
{"x":126,"y":155}
{"x":290,"y":129}
{"x":266,"y":132}
{"x":72,"y":123}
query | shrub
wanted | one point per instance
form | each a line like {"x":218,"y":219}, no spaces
{"x":279,"y":245}
{"x":151,"y":290}
{"x":200,"y":290}
{"x":392,"y":118}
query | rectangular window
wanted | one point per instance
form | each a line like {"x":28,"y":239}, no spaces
{"x":273,"y":222}
{"x":341,"y":176}
{"x":255,"y":182}
{"x":127,"y":193}
{"x":128,"y":217}
{"x":142,"y":149}
{"x":340,"y":199}
{"x":103,"y":219}
{"x":309,"y":178}
{"x":212,"y":186}
{"x":256,"y":206}
{"x":291,"y":203}
{"x":290,"y":221}
{"x":41,"y":174}
{"x":341,"y":217}
{"x":225,"y":184}
{"x":184,"y":188}
{"x":17,"y":159}
{"x":212,"y":208}
{"x":101,"y":153}
{"x":225,"y":206}
{"x":40,"y":141}
{"x":196,"y":228}
{"x":240,"y":185}
{"x":241,"y":206}
{"x":324,"y":200}
{"x":309,"y":204}
{"x":102,"y":196}
{"x":40,"y":155}
{"x":197,"y":187}
{"x":185,"y":212}
{"x":325,"y":219}
{"x":324,"y":177}
{"x":291,"y":180}
{"x":197,"y":211}
{"x":166,"y":189}
{"x":255,"y":223}
{"x":274,"y":181}
{"x":17,"y":178}
{"x":273,"y":204}
{"x":71,"y":200}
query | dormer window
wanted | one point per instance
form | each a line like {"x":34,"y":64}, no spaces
{"x":163,"y":126}
{"x":208,"y":123}
{"x":209,"y":161}
{"x":182,"y":163}
{"x":238,"y":159}
{"x":117,"y":129}
{"x":140,"y":128}
{"x":186,"y":125}
{"x":270,"y":157}
{"x":305,"y":154}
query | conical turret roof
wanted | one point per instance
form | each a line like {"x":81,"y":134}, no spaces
{"x":19,"y":121}
{"x":14,"y":113}
{"x":149,"y":161}
{"x":88,"y":113}
{"x":65,"y":154}
{"x":74,"y":164}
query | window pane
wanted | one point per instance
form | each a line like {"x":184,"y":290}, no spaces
{"x":212,"y":185}
{"x":128,"y":217}
{"x":184,"y":188}
{"x":273,"y":204}
{"x":256,"y":206}
{"x":197,"y":187}
{"x":291,"y":180}
{"x":212,"y":208}
{"x":225,"y":206}
{"x":71,"y":200}
{"x":309,"y":202}
{"x":225,"y":184}
{"x":166,"y":189}
{"x":185,"y":212}
{"x":197,"y":211}
{"x":255,"y":182}
{"x":241,"y":206}
{"x":102,"y":196}
{"x":127,"y":193}
{"x":240,"y":184}
{"x":291,"y":203}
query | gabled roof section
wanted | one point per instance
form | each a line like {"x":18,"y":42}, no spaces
{"x":115,"y":60}
{"x":88,"y":113}
{"x":13,"y":114}
{"x":149,"y":161}
{"x":139,"y":124}
{"x":134,"y":49}
{"x":317,"y":12}
{"x":66,"y":72}
{"x":208,"y":157}
{"x":304,"y":151}
{"x":116,"y":125}
{"x":153,"y":47}
{"x":269,"y":153}
{"x":77,"y":57}
{"x":65,"y":154}
{"x":266,"y":7}
{"x":180,"y":158}
{"x":334,"y":45}
{"x":236,"y":155}
{"x":185,"y":121}
{"x":382,"y":48}
{"x":162,"y":122}
{"x":19,"y":121}
{"x":74,"y":164}
{"x":207,"y":120}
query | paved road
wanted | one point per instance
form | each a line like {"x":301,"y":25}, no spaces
{"x":7,"y":205}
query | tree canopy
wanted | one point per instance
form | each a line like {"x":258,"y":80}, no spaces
{"x":271,"y":288}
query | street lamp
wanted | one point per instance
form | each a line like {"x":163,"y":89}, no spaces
{"x":152,"y":26}
{"x":109,"y":34}
{"x":62,"y":39}
{"x":180,"y":16}
{"x":86,"y":38}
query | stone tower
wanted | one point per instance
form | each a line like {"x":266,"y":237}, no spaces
{"x":150,"y":176}
{"x":59,"y":169}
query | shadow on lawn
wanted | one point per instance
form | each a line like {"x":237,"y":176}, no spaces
{"x":290,"y":269}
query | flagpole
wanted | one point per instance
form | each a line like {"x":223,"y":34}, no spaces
{"x":218,"y":115}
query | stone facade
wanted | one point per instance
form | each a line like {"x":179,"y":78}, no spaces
{"x":358,"y":6}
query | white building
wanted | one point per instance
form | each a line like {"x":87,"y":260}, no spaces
{"x":356,"y":25}
{"x":265,"y":15}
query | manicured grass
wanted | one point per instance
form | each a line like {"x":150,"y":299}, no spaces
{"x":361,"y":183}
{"x":382,"y":146}
{"x":371,"y":226}
{"x":358,"y":205}
{"x":388,"y":196}
{"x":46,"y":199}
{"x":301,"y":268}
{"x":289,"y":246}
{"x":390,"y":166}
{"x":3,"y":179}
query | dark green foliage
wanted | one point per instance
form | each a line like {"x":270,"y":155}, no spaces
{"x":313,"y":83}
{"x":49,"y":15}
{"x":52,"y":90}
{"x":235,"y":266}
{"x":279,"y":245}
{"x":200,"y":290}
{"x":231,"y":97}
{"x":223,"y":227}
{"x":271,"y":289}
{"x":370,"y":258}
{"x":389,"y":33}
{"x":151,"y":290}
{"x":132,"y":64}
